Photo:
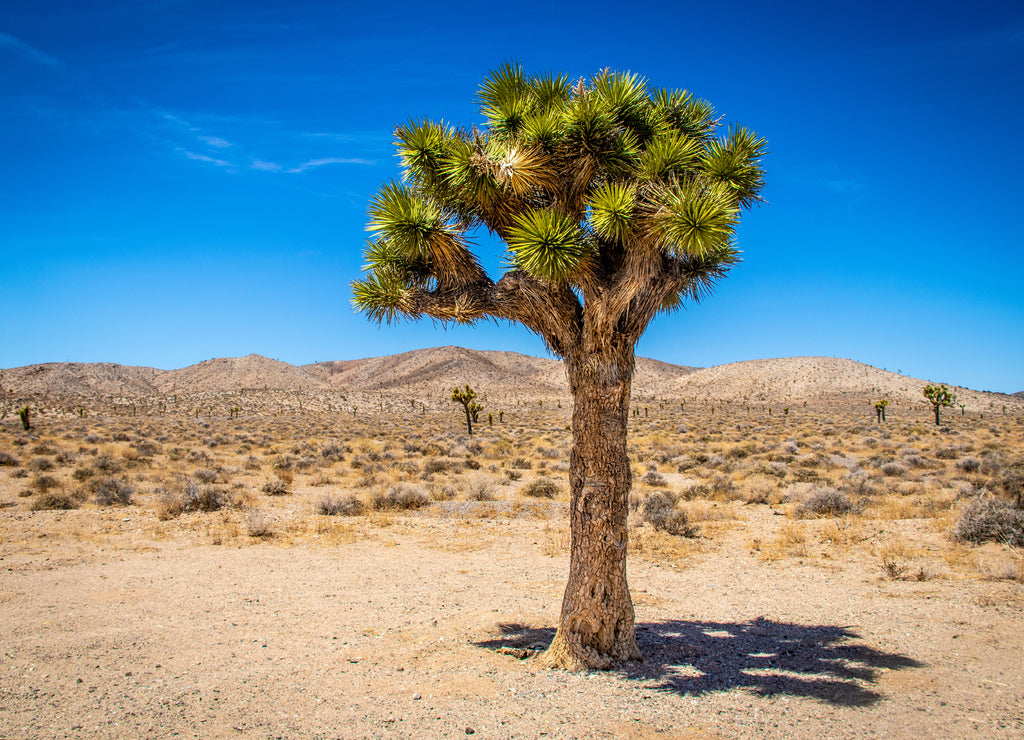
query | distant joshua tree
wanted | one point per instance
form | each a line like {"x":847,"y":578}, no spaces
{"x":880,"y":409}
{"x":23,"y":414}
{"x":471,"y":407}
{"x":939,"y":396}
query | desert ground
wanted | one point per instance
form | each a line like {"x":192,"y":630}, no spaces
{"x":248,"y":549}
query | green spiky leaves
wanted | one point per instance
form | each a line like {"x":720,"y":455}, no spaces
{"x":612,"y":211}
{"x":382,"y":296}
{"x":605,"y":190}
{"x":735,"y":161}
{"x":414,"y":228}
{"x":694,"y":219}
{"x":548,"y":245}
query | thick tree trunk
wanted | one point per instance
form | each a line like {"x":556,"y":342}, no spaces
{"x":596,"y":627}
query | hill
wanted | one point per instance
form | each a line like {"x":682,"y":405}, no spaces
{"x":428,"y":375}
{"x":793,"y":380}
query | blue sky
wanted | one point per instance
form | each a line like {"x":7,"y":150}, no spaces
{"x":186,"y":179}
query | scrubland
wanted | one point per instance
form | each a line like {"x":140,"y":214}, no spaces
{"x":818,"y":506}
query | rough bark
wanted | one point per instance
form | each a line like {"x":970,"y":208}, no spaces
{"x":596,"y":627}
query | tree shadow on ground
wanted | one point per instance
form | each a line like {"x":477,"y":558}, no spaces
{"x":764,"y":657}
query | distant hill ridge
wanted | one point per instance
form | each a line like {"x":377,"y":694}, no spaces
{"x":432,"y":372}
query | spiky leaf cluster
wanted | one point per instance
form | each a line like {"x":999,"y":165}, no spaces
{"x":616,"y":201}
{"x":939,"y":395}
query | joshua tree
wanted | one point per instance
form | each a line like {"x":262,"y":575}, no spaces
{"x":617,"y":203}
{"x":880,"y":409}
{"x":472,"y":408}
{"x":23,"y":414}
{"x":939,"y":396}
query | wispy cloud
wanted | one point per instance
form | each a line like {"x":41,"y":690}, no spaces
{"x":259,"y":164}
{"x":330,"y":160}
{"x":27,"y":51}
{"x":216,"y":141}
{"x":205,"y":158}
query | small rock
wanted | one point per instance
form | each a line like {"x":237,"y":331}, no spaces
{"x":416,"y":697}
{"x":470,"y":731}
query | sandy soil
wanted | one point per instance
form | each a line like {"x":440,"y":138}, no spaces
{"x":417,"y":627}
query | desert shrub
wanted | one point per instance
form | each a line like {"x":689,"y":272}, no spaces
{"x":694,"y":491}
{"x":191,"y":497}
{"x":82,"y":473}
{"x":893,"y":469}
{"x":54,"y":501}
{"x":550,"y":453}
{"x":106,"y":465}
{"x":401,"y":497}
{"x":722,"y":486}
{"x":443,"y":493}
{"x":823,"y":501}
{"x":654,"y":479}
{"x":332,"y":452}
{"x":990,"y":519}
{"x":513,"y":474}
{"x":275,"y":488}
{"x":991,"y":464}
{"x":44,"y":483}
{"x":259,"y":524}
{"x":304,"y":463}
{"x":541,"y":488}
{"x":968,"y":465}
{"x":65,"y":457}
{"x":656,"y":507}
{"x":1011,"y":481}
{"x":521,"y":463}
{"x":435,"y":466}
{"x":717,"y":461}
{"x":205,"y":475}
{"x":684,"y":463}
{"x":479,"y":487}
{"x":658,"y":510}
{"x":946,"y":453}
{"x":148,"y":448}
{"x":251,"y":463}
{"x":350,"y":505}
{"x":759,"y":491}
{"x":113,"y":491}
{"x":40,"y":464}
{"x":7,"y":460}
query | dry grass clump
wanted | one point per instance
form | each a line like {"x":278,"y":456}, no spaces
{"x":275,"y":488}
{"x":823,"y":501}
{"x":350,"y":505}
{"x":479,"y":487}
{"x":55,"y":501}
{"x":112,"y":492}
{"x":541,"y":488}
{"x":259,"y":523}
{"x":401,"y":497}
{"x":654,"y":479}
{"x":191,"y":496}
{"x":990,"y":520}
{"x":659,"y":510}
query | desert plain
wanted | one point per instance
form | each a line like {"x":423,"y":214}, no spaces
{"x":245,"y":548}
